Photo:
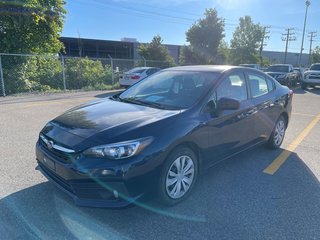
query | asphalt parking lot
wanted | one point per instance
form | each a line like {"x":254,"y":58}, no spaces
{"x":259,"y":194}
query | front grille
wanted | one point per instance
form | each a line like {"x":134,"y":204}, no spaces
{"x":59,"y":155}
{"x":313,"y":76}
{"x":87,"y":189}
{"x":60,"y":181}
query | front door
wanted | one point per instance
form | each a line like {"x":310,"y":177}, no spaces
{"x":230,"y":130}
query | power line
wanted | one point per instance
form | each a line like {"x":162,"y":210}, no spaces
{"x":265,"y":36}
{"x":138,"y":14}
{"x":167,"y":17}
{"x":312,"y":35}
{"x":289,"y":36}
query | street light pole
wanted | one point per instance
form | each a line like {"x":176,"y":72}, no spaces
{"x":308,"y":2}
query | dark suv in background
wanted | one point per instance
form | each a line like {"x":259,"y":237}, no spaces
{"x":284,"y":74}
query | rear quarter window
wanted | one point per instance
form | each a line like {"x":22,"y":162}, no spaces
{"x":271,"y":84}
{"x":258,"y":85}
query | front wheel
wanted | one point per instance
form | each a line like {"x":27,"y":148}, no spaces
{"x":278,"y":133}
{"x":178,"y":176}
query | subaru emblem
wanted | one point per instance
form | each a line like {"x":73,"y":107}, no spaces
{"x":50,"y":144}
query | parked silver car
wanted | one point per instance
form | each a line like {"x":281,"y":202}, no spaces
{"x":136,"y":74}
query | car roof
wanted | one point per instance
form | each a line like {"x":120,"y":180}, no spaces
{"x":205,"y":68}
{"x":142,"y":68}
{"x":281,"y":65}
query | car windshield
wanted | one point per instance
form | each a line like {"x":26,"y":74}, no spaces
{"x":170,"y":89}
{"x":315,"y":67}
{"x":279,"y":68}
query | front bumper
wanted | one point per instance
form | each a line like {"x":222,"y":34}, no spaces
{"x":312,"y":81}
{"x":86,"y":188}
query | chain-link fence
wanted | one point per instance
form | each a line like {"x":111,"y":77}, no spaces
{"x":21,"y":73}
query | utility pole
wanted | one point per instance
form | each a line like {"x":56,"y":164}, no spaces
{"x":265,"y":36}
{"x":308,"y":3}
{"x":287,"y":37}
{"x":312,"y":35}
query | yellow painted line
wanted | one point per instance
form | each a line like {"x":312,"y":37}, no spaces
{"x":277,"y":163}
{"x":303,"y":114}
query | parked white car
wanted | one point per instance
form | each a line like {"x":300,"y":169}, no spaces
{"x":311,"y":77}
{"x":136,"y":74}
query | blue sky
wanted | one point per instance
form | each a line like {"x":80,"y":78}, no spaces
{"x":142,"y":19}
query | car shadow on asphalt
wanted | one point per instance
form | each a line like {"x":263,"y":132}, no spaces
{"x":233,"y":200}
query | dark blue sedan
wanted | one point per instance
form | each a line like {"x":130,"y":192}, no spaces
{"x":157,"y":136}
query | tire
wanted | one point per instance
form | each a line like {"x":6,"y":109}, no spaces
{"x":304,"y":86}
{"x":278,"y":133}
{"x":167,"y":183}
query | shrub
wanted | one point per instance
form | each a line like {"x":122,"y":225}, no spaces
{"x":83,"y":72}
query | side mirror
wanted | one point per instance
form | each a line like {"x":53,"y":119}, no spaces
{"x":212,"y":108}
{"x":228,"y":104}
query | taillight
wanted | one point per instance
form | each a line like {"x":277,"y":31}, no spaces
{"x":135,"y":77}
{"x":290,"y":93}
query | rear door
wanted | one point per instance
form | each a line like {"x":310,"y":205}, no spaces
{"x":262,"y":96}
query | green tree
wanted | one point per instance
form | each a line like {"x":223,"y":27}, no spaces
{"x":155,"y":50}
{"x":189,"y":56}
{"x":315,"y":57}
{"x":223,"y":53}
{"x":205,"y":37}
{"x":246,"y":41}
{"x":31,"y":26}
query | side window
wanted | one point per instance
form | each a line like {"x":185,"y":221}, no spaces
{"x":149,"y":72}
{"x":270,"y":84}
{"x":234,"y":86}
{"x":258,"y":85}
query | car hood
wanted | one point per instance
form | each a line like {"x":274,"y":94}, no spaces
{"x":102,"y":121}
{"x":276,"y":73}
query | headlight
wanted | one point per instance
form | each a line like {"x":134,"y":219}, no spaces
{"x":119,"y":150}
{"x":306,"y":75}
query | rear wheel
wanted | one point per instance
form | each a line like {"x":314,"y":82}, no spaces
{"x":278,"y":133}
{"x":178,"y":176}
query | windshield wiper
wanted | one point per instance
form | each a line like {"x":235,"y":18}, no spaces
{"x":143,"y":103}
{"x":115,"y":98}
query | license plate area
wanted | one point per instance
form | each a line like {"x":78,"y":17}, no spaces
{"x":49,"y":163}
